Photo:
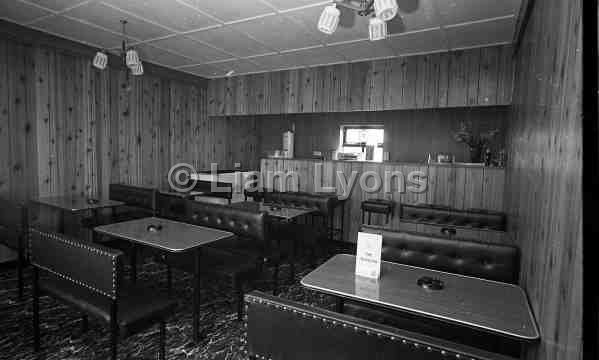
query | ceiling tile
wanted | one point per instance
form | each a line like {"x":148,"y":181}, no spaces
{"x":318,"y":56}
{"x":365,"y":49}
{"x":169,"y":13}
{"x":57,"y":5}
{"x":351,"y":26}
{"x":231,"y":41}
{"x":290,"y":4}
{"x":418,"y":42}
{"x":239,"y":66}
{"x":278,"y":32}
{"x":481,"y":33}
{"x":205,"y":70}
{"x":226,"y":11}
{"x":460,"y":11}
{"x":19,"y":12}
{"x":110,"y":18}
{"x":185,"y":46}
{"x":73,"y":29}
{"x":162,"y":57}
{"x":279,"y":61}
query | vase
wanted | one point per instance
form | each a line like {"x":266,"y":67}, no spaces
{"x":476,"y":154}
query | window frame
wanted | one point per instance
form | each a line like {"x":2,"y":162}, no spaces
{"x":344,"y":129}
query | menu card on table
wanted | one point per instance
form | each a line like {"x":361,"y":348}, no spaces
{"x":368,"y":255}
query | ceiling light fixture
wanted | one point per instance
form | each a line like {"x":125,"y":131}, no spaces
{"x":329,"y":19}
{"x":128,"y":54}
{"x":383,"y":10}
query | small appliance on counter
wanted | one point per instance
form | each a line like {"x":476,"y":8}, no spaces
{"x":288,"y":138}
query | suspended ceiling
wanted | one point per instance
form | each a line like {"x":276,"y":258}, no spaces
{"x":211,"y":37}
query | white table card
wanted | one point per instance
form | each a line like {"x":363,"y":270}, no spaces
{"x":368,"y":255}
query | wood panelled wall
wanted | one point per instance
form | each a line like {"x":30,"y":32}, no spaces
{"x":409,"y":134}
{"x":456,"y":186}
{"x":459,"y":78}
{"x":66,"y":127}
{"x":544,"y":181}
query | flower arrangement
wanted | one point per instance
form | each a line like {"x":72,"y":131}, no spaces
{"x":476,"y":142}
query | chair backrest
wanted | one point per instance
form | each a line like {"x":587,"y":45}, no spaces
{"x":281,"y":329}
{"x":466,"y":257}
{"x":91,"y":266}
{"x":244,"y":223}
{"x":136,"y":196}
{"x":172,"y":206}
{"x":13,"y":222}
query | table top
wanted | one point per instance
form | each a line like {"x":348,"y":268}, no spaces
{"x":491,"y":306}
{"x":286,"y":213}
{"x":76,"y":203}
{"x":173,"y":236}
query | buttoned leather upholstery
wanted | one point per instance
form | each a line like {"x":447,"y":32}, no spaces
{"x":466,"y":257}
{"x":89,"y":277}
{"x":283,"y":329}
{"x":442,"y":215}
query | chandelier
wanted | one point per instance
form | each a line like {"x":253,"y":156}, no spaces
{"x":380,"y":11}
{"x":128,"y":55}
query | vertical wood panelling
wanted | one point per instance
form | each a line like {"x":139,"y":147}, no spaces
{"x":5,"y":138}
{"x":544,"y":197}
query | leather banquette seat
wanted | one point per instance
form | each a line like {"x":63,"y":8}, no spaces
{"x":325,"y":205}
{"x":464,"y":257}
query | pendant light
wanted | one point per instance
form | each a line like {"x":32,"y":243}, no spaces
{"x":329,"y":19}
{"x":377,"y":29}
{"x":137,"y":69}
{"x":132,"y":59}
{"x":100,"y":60}
{"x":385,"y":9}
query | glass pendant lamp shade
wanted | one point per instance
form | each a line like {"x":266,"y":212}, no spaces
{"x":137,"y":69}
{"x":100,"y":60}
{"x":329,"y":19}
{"x":377,"y":29}
{"x":385,"y":9}
{"x":132,"y":59}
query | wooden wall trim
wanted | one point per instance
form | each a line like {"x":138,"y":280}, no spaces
{"x":32,"y":37}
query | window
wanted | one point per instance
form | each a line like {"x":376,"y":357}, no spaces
{"x":365,"y":141}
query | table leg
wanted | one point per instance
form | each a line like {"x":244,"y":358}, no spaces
{"x":133,"y":263}
{"x":196,"y":298}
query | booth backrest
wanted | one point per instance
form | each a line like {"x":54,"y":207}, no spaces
{"x":172,"y":206}
{"x":241,"y":222}
{"x":325,"y":204}
{"x":280,"y":329}
{"x":466,"y":257}
{"x":134,"y":196}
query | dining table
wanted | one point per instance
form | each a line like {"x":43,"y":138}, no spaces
{"x":490,"y":306}
{"x":276,"y":211}
{"x":172,"y":237}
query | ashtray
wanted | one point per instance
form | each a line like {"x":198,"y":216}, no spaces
{"x":429,"y":283}
{"x":275,"y":208}
{"x":92,"y":201}
{"x":154,"y":228}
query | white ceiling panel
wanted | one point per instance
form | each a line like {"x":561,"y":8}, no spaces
{"x":169,"y":13}
{"x":190,"y":48}
{"x":278,"y":32}
{"x":57,"y":5}
{"x":163,"y":57}
{"x":231,"y":10}
{"x":279,"y":61}
{"x":73,"y":29}
{"x":19,"y":12}
{"x":318,"y":56}
{"x":460,"y":11}
{"x":365,"y":49}
{"x":239,"y":66}
{"x":110,"y":18}
{"x":290,"y":4}
{"x":481,"y":33}
{"x":419,"y":42}
{"x":206,"y":70}
{"x":231,"y":41}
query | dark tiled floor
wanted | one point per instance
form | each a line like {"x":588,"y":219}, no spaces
{"x":61,"y":326}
